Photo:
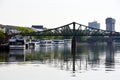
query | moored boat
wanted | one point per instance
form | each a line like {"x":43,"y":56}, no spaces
{"x":34,"y":44}
{"x":45,"y":43}
{"x":17,"y":43}
{"x":58,"y":42}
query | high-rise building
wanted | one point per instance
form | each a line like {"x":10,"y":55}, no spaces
{"x":94,"y":24}
{"x":110,"y":24}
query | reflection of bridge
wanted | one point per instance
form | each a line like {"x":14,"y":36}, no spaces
{"x":74,"y":29}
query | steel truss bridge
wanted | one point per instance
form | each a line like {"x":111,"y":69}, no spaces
{"x":73,"y":29}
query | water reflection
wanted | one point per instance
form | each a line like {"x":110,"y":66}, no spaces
{"x":110,"y":62}
{"x":87,"y":57}
{"x":16,"y":55}
{"x":94,"y":55}
{"x":4,"y":57}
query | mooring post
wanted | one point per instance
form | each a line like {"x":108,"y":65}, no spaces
{"x":73,"y":51}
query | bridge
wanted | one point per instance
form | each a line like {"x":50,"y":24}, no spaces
{"x":73,"y":29}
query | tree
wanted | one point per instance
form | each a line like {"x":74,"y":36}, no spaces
{"x":25,"y":29}
{"x":1,"y":35}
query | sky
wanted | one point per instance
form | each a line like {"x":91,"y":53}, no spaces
{"x":55,"y":13}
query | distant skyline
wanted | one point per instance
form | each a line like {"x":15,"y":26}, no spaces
{"x":55,"y":13}
{"x":94,"y":24}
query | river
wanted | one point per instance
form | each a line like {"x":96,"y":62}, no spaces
{"x":91,"y":62}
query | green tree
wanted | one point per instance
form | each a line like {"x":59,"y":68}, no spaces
{"x":1,"y":35}
{"x":25,"y":29}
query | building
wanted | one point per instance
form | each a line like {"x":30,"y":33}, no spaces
{"x":2,"y":27}
{"x":110,"y":24}
{"x":94,"y":24}
{"x":8,"y":29}
{"x":37,"y":27}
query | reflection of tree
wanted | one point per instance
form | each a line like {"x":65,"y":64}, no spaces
{"x":4,"y":57}
{"x":11,"y":56}
{"x":36,"y":56}
{"x":82,"y":49}
{"x":67,"y":57}
{"x":67,"y":53}
{"x":42,"y":56}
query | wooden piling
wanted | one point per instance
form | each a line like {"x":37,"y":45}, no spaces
{"x":73,"y":52}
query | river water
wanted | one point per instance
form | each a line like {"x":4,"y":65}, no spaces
{"x":91,"y":62}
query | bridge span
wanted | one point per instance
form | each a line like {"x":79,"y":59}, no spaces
{"x":73,"y":29}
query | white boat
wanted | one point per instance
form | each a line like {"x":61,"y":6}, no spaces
{"x":34,"y":44}
{"x":58,"y":42}
{"x":45,"y":43}
{"x":17,"y":43}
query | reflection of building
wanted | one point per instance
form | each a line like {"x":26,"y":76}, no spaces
{"x":110,"y":56}
{"x":16,"y":55}
{"x":94,"y":24}
{"x":110,"y":24}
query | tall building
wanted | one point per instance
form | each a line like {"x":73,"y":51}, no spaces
{"x":110,"y":24}
{"x":94,"y":24}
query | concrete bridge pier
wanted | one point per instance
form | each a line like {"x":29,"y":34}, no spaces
{"x":110,"y":40}
{"x":73,"y":51}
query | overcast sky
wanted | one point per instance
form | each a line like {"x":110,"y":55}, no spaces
{"x":55,"y":13}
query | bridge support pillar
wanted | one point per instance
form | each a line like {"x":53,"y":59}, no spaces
{"x":73,"y":51}
{"x":110,"y":40}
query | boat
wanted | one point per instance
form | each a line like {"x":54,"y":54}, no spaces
{"x":17,"y":43}
{"x":58,"y":42}
{"x":45,"y":43}
{"x":34,"y":44}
